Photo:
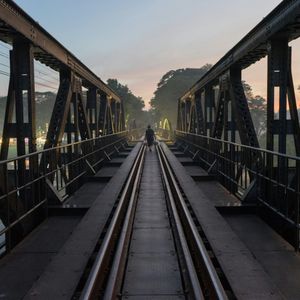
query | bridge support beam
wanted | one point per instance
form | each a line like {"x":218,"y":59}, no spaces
{"x":20,"y":124}
{"x":281,"y":96}
{"x":92,"y":108}
{"x":201,"y":125}
{"x":240,"y":110}
{"x":103,"y":114}
{"x":232,"y":116}
{"x":109,"y":128}
{"x":209,"y":108}
{"x":21,"y":101}
{"x":68,"y":117}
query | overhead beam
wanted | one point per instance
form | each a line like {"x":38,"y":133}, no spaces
{"x":255,"y":44}
{"x":18,"y":20}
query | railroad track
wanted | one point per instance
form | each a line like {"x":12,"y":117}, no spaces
{"x":108,"y":274}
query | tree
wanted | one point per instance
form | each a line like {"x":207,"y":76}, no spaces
{"x":133,"y":105}
{"x":172,"y":86}
{"x":258,"y":107}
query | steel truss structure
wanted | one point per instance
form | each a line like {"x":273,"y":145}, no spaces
{"x":216,"y":106}
{"x":75,"y":118}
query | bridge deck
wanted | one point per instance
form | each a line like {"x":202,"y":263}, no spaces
{"x":257,"y":261}
{"x":152,"y":268}
{"x":23,"y":266}
{"x":273,"y":253}
{"x":50,"y":244}
{"x":248,"y":279}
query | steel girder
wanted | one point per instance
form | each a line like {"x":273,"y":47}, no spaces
{"x":103,"y":114}
{"x":193,"y":125}
{"x":280,"y":79}
{"x":21,"y":99}
{"x":241,"y":111}
{"x":47,"y":49}
{"x":221,"y":122}
{"x":283,"y":20}
{"x":92,"y":108}
{"x":231,"y":113}
{"x":200,"y":121}
{"x":60,"y":112}
{"x":231,"y":116}
{"x":19,"y":124}
{"x":180,"y":116}
{"x":69,"y":117}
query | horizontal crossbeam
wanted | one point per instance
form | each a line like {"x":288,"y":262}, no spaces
{"x":47,"y":49}
{"x":284,"y":20}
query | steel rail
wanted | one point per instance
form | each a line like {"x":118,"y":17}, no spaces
{"x":216,"y":285}
{"x":192,"y":274}
{"x":115,"y":277}
{"x":99,"y":268}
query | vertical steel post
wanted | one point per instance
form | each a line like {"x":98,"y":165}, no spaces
{"x":278,"y":59}
{"x":102,"y":114}
{"x":188,"y":105}
{"x":92,"y":111}
{"x":199,"y":114}
{"x":208,"y":109}
{"x":21,"y":99}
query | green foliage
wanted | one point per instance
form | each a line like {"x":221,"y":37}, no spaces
{"x":172,"y":86}
{"x":133,"y":105}
{"x":258,"y":109}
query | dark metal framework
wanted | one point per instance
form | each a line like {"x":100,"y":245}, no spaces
{"x":217,"y":107}
{"x":77,"y":120}
{"x":24,"y":203}
{"x":281,"y":203}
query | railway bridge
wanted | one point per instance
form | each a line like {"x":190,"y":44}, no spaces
{"x":208,"y":214}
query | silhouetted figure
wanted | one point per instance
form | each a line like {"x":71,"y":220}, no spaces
{"x":150,"y":137}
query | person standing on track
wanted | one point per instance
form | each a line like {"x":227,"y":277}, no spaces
{"x":150,"y":137}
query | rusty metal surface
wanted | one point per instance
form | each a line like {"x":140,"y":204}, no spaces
{"x":152,"y":269}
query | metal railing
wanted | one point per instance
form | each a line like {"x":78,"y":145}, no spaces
{"x":269,"y":179}
{"x":28,"y":183}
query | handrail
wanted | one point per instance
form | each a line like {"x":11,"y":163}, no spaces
{"x":252,"y":174}
{"x":240,"y":145}
{"x":60,"y":147}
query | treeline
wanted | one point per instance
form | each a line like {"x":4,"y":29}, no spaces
{"x":135,"y":115}
{"x":171,"y":86}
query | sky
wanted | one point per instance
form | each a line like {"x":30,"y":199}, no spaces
{"x":138,"y":41}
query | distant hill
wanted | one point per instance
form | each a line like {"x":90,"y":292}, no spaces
{"x":44,"y":106}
